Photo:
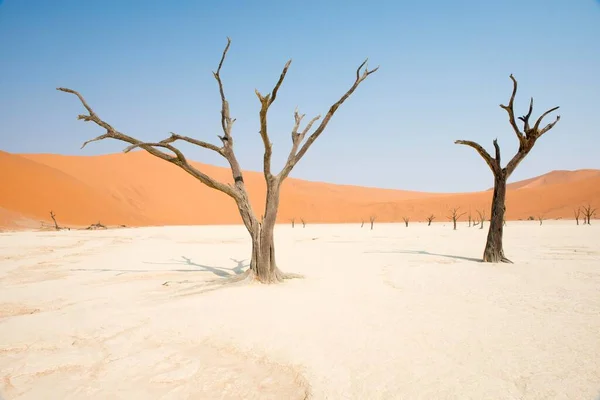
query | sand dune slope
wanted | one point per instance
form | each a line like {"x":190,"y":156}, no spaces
{"x":33,"y":189}
{"x":137,"y":189}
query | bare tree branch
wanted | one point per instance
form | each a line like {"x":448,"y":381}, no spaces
{"x":178,"y":159}
{"x":491,"y":162}
{"x":359,"y":79}
{"x":209,"y":146}
{"x":266,"y":102}
{"x":227,"y":125}
{"x":526,"y":117}
{"x":511,"y":111}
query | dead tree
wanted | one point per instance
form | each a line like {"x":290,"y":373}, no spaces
{"x":362,"y":223}
{"x":577,"y":213}
{"x":95,"y":226}
{"x":293,"y":221}
{"x":494,"y":251}
{"x":263,"y":266}
{"x":470,"y":218}
{"x":372,"y":220}
{"x":303,"y":222}
{"x":405,"y":219}
{"x":455,"y":216}
{"x":481,"y":214}
{"x":588,"y":213}
{"x":430,"y":219}
{"x":541,"y":219}
{"x":53,"y":216}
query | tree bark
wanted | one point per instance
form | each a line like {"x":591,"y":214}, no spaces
{"x":494,"y":252}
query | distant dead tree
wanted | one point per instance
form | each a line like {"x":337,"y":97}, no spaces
{"x":454,"y":216}
{"x":470,"y":218}
{"x":53,"y":216}
{"x":372,"y":220}
{"x":430,"y":219}
{"x":541,"y":219}
{"x":494,"y":251}
{"x":481,"y":214}
{"x":95,"y":226}
{"x":303,"y":222}
{"x":293,"y":220}
{"x":406,"y":219}
{"x":362,"y":223}
{"x":577,"y":213}
{"x":588,"y":213}
{"x":263,"y":266}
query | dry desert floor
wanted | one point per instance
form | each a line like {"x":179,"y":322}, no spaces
{"x":392,"y":313}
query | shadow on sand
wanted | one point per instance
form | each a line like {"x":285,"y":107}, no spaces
{"x":426,"y":253}
{"x":185,"y":261}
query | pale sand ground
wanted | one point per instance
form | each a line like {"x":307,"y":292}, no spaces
{"x":85,"y":315}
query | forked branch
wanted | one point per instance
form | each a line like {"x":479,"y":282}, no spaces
{"x":527,"y":137}
{"x":298,"y":147}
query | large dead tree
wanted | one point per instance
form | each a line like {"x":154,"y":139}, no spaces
{"x":263,"y":265}
{"x":455,"y":216}
{"x":588,"y":213}
{"x":527,"y":137}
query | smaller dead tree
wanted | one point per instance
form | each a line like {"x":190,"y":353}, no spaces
{"x":588,"y":213}
{"x":53,"y":216}
{"x":303,"y":222}
{"x":406,"y":219}
{"x":481,"y":214}
{"x":541,"y":219}
{"x":372,"y":220}
{"x":362,"y":223}
{"x":430,"y":219}
{"x":455,"y":216}
{"x":470,"y":218}
{"x":293,"y":220}
{"x":577,"y":213}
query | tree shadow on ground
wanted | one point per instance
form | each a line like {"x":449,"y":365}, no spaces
{"x":219,"y":271}
{"x":426,"y":253}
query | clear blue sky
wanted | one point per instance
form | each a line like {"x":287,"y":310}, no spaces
{"x":145,"y":67}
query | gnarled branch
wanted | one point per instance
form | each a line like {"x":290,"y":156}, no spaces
{"x":493,"y":163}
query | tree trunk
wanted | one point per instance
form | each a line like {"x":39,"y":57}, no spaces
{"x":494,"y":251}
{"x":263,"y":266}
{"x":454,"y":221}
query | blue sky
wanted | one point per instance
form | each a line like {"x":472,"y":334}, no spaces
{"x":145,"y":67}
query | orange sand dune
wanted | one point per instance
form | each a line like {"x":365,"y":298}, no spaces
{"x":137,"y":189}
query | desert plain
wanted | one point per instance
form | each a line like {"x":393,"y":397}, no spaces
{"x":393,"y":312}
